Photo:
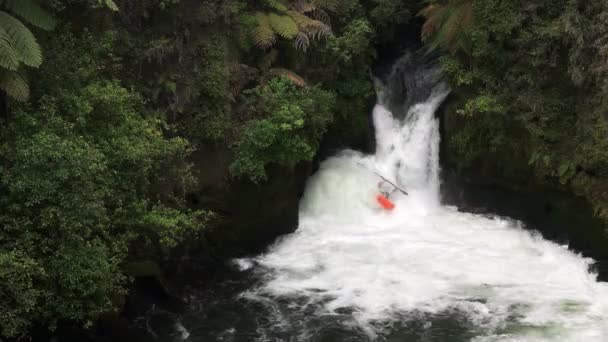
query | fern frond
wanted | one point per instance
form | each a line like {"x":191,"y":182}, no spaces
{"x":22,"y":40}
{"x":447,"y":24}
{"x":430,"y":24}
{"x":276,"y":5}
{"x":14,"y":85}
{"x":8,"y":56}
{"x":283,"y":25}
{"x":302,"y":6}
{"x":31,"y":12}
{"x":320,"y":15}
{"x":263,"y":35}
{"x":454,"y":23}
{"x":311,"y":10}
{"x":301,"y":41}
{"x":310,"y":26}
{"x":111,"y":5}
{"x":300,"y":19}
{"x":330,"y":5}
{"x":308,"y":29}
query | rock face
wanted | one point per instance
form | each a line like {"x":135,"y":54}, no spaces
{"x":507,"y":168}
{"x":253,"y":215}
{"x":250,"y":215}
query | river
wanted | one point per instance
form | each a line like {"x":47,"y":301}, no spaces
{"x":422,"y":272}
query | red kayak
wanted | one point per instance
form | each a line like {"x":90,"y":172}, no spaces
{"x":385,"y":202}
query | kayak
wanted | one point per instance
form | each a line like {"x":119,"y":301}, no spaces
{"x":385,"y":203}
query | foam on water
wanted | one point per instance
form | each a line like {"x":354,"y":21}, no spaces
{"x":424,"y":257}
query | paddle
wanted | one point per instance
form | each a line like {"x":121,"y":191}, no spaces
{"x":384,"y":179}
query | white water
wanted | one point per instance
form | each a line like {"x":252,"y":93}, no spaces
{"x":425,"y":258}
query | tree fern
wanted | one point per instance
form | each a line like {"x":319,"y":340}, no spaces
{"x":308,"y":29}
{"x":301,"y":41}
{"x":263,"y":35}
{"x":283,"y":25}
{"x":299,"y":24}
{"x":276,"y":5}
{"x":110,"y":4}
{"x":312,"y":10}
{"x":18,"y":45}
{"x":15,"y":85}
{"x":447,"y":24}
{"x":31,"y":12}
{"x":9,"y":58}
{"x":302,"y":6}
{"x":331,"y":5}
{"x":22,"y":40}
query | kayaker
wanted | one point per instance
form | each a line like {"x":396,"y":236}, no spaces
{"x":386,"y":189}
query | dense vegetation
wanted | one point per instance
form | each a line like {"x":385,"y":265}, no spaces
{"x":95,"y":148}
{"x":531,"y":80}
{"x":104,"y":101}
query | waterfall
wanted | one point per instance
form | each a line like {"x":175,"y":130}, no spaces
{"x":370,"y":270}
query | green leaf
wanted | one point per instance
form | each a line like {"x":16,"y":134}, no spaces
{"x":533,"y":158}
{"x":563,"y":168}
{"x":284,"y":25}
{"x":8,"y":56}
{"x":111,"y":5}
{"x":263,"y":35}
{"x":31,"y":12}
{"x":22,"y":40}
{"x":277,"y":5}
{"x":14,"y":85}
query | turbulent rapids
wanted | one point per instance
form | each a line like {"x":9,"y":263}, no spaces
{"x":423,"y":265}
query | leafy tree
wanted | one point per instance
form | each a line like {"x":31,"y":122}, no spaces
{"x":292,"y":123}
{"x":531,"y":83}
{"x":85,"y":173}
{"x":90,"y":170}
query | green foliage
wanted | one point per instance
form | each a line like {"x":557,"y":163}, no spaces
{"x":91,"y":170}
{"x":205,"y":96}
{"x":302,"y":22}
{"x":455,"y":70}
{"x":447,"y":24}
{"x":354,"y":41}
{"x":354,"y":95}
{"x":532,"y":77}
{"x":18,"y":46}
{"x":109,"y":4}
{"x":25,"y":48}
{"x":82,"y":168}
{"x":283,"y":25}
{"x":223,"y":11}
{"x":61,"y":5}
{"x":290,"y":129}
{"x":480,"y":105}
{"x":18,"y":296}
{"x":277,"y":5}
{"x":390,"y":12}
{"x":14,"y":84}
{"x":482,"y":136}
{"x":31,"y":12}
{"x":264,"y":35}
